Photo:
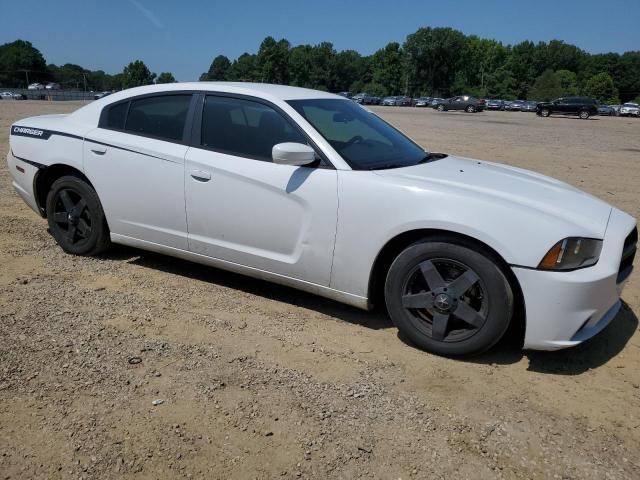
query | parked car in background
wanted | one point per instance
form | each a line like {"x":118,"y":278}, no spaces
{"x":12,"y":96}
{"x":260,"y":198}
{"x":36,"y":86}
{"x":607,"y":110}
{"x":52,"y":86}
{"x":436,"y":101}
{"x":388,"y":101}
{"x":99,"y":95}
{"x":345,"y":94}
{"x":514,"y":105}
{"x":529,"y":106}
{"x":495,"y":104}
{"x":583,"y":107}
{"x":630,"y":109}
{"x":403,"y":101}
{"x":364,"y":99}
{"x":466,"y":103}
{"x":422,"y":102}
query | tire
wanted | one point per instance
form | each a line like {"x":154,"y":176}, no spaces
{"x":75,"y":216}
{"x":470,"y":109}
{"x":584,"y":115}
{"x":448,"y":299}
{"x":545,"y":112}
{"x":440,"y":108}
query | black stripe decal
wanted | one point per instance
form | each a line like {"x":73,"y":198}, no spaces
{"x":35,"y":164}
{"x":129,"y":150}
{"x":39,"y":133}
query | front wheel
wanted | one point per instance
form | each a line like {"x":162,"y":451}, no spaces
{"x":75,"y":217}
{"x":448,"y":299}
{"x":440,"y":108}
{"x":584,"y":115}
{"x":545,"y":112}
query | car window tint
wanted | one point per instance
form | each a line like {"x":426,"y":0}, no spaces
{"x":363,"y":139}
{"x":163,"y":116}
{"x":244,"y":128}
{"x":116,"y":115}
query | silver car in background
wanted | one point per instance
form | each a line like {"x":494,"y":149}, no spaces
{"x":630,"y":109}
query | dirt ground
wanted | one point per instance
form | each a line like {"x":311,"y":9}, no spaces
{"x":262,"y":381}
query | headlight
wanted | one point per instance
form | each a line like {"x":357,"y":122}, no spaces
{"x":572,"y":253}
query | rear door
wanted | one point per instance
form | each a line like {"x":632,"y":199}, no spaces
{"x":243,"y":208}
{"x":135,"y":161}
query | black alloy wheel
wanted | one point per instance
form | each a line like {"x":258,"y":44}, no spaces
{"x":448,"y":299}
{"x":75,"y":216}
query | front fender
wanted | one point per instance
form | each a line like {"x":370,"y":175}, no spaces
{"x":373,"y":211}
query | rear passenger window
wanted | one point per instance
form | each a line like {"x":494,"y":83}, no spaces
{"x":116,"y":115}
{"x":162,"y":117}
{"x":244,"y":128}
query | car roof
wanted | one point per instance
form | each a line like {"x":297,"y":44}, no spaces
{"x":267,"y":91}
{"x":281,"y":92}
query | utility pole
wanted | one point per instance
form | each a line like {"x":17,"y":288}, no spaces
{"x":26,"y":74}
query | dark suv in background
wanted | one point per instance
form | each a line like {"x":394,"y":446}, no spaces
{"x":581,"y":106}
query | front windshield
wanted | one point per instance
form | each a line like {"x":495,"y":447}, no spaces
{"x":364,"y":140}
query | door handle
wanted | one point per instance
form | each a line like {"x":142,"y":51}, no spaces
{"x":98,"y":150}
{"x":200,"y":175}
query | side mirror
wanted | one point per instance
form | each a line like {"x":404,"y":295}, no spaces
{"x":290,"y":153}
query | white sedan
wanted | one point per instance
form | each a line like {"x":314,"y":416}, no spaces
{"x":310,"y":190}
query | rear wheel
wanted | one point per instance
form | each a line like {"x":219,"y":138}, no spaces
{"x":470,"y":109}
{"x":448,"y":299}
{"x":584,"y":115}
{"x":545,"y":112}
{"x":75,"y":217}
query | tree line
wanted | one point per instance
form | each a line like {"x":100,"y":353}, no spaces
{"x":431,"y":61}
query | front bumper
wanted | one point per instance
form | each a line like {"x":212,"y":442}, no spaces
{"x":564,"y":309}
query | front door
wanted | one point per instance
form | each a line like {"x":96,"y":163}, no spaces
{"x":242,"y":208}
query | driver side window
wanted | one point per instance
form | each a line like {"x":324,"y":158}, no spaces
{"x":244,"y":128}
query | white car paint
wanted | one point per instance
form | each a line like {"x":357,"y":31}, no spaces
{"x":322,"y":229}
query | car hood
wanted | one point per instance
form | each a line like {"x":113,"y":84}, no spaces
{"x":520,"y":188}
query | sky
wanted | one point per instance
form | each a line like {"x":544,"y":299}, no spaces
{"x":184,"y":37}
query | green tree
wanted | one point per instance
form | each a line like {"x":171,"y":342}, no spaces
{"x":567,"y":82}
{"x":137,"y":74}
{"x":501,"y":84}
{"x":71,"y":76}
{"x":19,"y":60}
{"x":601,"y":87}
{"x":273,"y":60}
{"x":627,"y":75}
{"x":433,"y":56}
{"x":349,"y":67}
{"x":387,"y":69}
{"x":166,"y":77}
{"x":218,"y":70}
{"x":244,"y":68}
{"x":546,"y":87}
{"x":522,"y":65}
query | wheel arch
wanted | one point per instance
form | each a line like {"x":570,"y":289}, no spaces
{"x":397,"y":244}
{"x":45,"y":178}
